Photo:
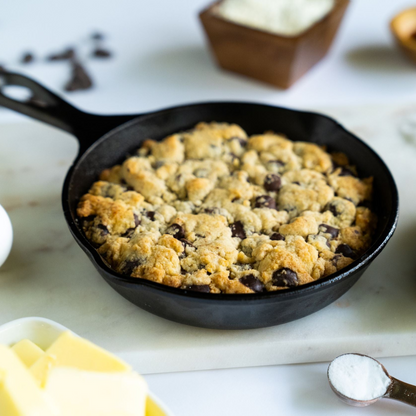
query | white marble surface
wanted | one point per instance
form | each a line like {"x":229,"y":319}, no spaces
{"x":48,"y":275}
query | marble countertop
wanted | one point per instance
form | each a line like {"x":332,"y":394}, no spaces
{"x":161,"y":60}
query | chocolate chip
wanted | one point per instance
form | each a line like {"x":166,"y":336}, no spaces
{"x":333,"y":208}
{"x":199,"y":288}
{"x":335,"y":259}
{"x":237,"y":230}
{"x":328,"y":229}
{"x":129,"y":232}
{"x":150,"y":215}
{"x":346,"y":251}
{"x":253,"y":283}
{"x":97,"y":36}
{"x":213,"y":211}
{"x":101,"y":53}
{"x":285,"y":277}
{"x":80,"y":80}
{"x":186,"y":243}
{"x":103,"y":228}
{"x":27,"y":58}
{"x":159,"y":164}
{"x":183,"y":271}
{"x":62,"y":56}
{"x":346,"y":172}
{"x":176,"y":231}
{"x":272,"y":182}
{"x":265,"y":201}
{"x":296,"y":183}
{"x":243,"y":142}
{"x":129,"y":266}
{"x":276,"y":237}
{"x":136,"y":220}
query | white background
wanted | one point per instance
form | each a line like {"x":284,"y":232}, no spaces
{"x":161,"y":59}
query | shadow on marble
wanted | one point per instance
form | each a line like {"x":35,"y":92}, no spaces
{"x":379,"y":58}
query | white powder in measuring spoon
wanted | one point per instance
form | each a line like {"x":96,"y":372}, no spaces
{"x":283,"y":17}
{"x":358,"y":377}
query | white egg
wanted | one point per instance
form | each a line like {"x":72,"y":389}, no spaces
{"x":6,"y":235}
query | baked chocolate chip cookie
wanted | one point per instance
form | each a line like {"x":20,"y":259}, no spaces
{"x":215,"y":211}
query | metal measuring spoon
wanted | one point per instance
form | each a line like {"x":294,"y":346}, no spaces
{"x":397,"y":390}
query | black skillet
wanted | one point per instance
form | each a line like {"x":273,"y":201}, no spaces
{"x":106,"y":140}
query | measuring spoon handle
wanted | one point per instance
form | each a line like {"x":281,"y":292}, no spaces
{"x":402,"y":392}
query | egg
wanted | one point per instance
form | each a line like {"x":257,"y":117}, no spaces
{"x":6,"y":235}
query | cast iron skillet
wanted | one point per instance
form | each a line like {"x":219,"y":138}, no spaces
{"x":106,"y":140}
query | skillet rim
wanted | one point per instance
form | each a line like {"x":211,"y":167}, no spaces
{"x":363,"y":261}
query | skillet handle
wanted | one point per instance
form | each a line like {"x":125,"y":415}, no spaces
{"x":46,"y":106}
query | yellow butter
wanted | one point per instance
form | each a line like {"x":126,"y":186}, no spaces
{"x":19,"y":393}
{"x":72,"y":351}
{"x":28,"y":352}
{"x":89,"y":393}
{"x":152,"y":409}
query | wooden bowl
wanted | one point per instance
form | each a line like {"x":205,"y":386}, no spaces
{"x":403,"y":27}
{"x":275,"y":59}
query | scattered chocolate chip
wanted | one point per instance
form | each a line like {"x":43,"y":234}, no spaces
{"x":213,"y":211}
{"x":150,"y":215}
{"x":276,"y":237}
{"x":136,"y":220}
{"x":272,"y":182}
{"x":346,"y":172}
{"x":176,"y":231}
{"x":328,"y":229}
{"x":103,"y":228}
{"x":199,"y":288}
{"x":243,"y":142}
{"x":97,"y":36}
{"x":285,"y":277}
{"x":335,"y":259}
{"x":296,"y":183}
{"x":333,"y":208}
{"x":265,"y":201}
{"x":237,"y":230}
{"x":253,"y":283}
{"x":186,"y":242}
{"x":67,"y":54}
{"x":27,"y":58}
{"x":346,"y":251}
{"x":183,"y":271}
{"x":129,"y":266}
{"x":129,"y":232}
{"x":101,"y":53}
{"x":235,"y":199}
{"x":80,"y":80}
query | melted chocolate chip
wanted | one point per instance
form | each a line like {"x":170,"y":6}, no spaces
{"x":103,"y":228}
{"x":62,"y":56}
{"x":328,"y":229}
{"x":243,"y":142}
{"x":80,"y":80}
{"x":253,"y":283}
{"x":159,"y":164}
{"x":129,"y":266}
{"x":237,"y":230}
{"x":276,"y":237}
{"x":186,"y":243}
{"x":136,"y":220}
{"x":285,"y":277}
{"x":101,"y":53}
{"x":346,"y":251}
{"x":176,"y":231}
{"x":199,"y":288}
{"x":213,"y":211}
{"x":129,"y":232}
{"x":333,"y":208}
{"x":335,"y":259}
{"x":265,"y":201}
{"x":27,"y":58}
{"x":150,"y":215}
{"x":272,"y":182}
{"x":183,"y":271}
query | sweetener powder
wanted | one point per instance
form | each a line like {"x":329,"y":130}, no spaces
{"x":358,"y":377}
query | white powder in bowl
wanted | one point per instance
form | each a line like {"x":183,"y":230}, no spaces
{"x":358,"y":377}
{"x":283,"y":17}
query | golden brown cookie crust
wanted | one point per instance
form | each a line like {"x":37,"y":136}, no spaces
{"x":216,"y":211}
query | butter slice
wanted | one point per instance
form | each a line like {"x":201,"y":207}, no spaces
{"x":72,"y":351}
{"x":152,"y":409}
{"x":90,"y":393}
{"x":19,"y":393}
{"x":28,"y":352}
